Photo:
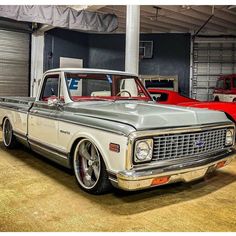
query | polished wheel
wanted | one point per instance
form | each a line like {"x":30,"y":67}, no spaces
{"x":8,"y":138}
{"x":89,"y":168}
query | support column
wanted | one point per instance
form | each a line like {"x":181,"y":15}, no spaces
{"x":37,"y":58}
{"x":37,"y":54}
{"x":132,"y":38}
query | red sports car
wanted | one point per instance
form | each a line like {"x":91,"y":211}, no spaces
{"x":173,"y":98}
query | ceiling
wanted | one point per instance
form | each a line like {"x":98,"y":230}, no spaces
{"x":176,"y":19}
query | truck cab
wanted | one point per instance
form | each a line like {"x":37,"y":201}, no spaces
{"x":225,"y":90}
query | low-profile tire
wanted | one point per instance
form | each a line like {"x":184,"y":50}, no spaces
{"x":9,"y":139}
{"x":90,"y":169}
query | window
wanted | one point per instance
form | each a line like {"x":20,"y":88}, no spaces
{"x":103,"y":86}
{"x":167,"y":84}
{"x":228,"y":84}
{"x":50,"y":87}
{"x":234,"y":82}
{"x":220,"y":84}
{"x":159,"y":97}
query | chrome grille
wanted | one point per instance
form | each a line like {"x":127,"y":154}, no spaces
{"x":173,"y":146}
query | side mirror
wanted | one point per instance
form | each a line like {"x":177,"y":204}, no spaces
{"x":54,"y":101}
{"x":154,"y":98}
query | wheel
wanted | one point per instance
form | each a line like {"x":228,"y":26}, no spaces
{"x":89,"y":168}
{"x":234,"y":100}
{"x":216,"y":99}
{"x":9,"y":139}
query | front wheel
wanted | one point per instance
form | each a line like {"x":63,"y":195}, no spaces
{"x":9,"y":139}
{"x":89,"y":168}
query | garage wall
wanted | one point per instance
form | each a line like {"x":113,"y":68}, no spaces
{"x":212,"y":58}
{"x":107,"y":51}
{"x":171,"y":55}
{"x":14,"y":58}
{"x":64,"y":43}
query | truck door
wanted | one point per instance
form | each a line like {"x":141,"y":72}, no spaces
{"x":42,"y":122}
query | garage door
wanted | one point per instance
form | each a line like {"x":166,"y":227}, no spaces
{"x":210,"y":59}
{"x":14,"y":63}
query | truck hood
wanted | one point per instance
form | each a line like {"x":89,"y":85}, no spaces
{"x":146,"y":116}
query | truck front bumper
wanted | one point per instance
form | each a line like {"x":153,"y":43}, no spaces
{"x":141,"y":178}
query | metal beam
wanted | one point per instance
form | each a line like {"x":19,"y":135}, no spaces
{"x":191,"y":13}
{"x":196,"y":22}
{"x":218,"y":13}
{"x":162,"y":23}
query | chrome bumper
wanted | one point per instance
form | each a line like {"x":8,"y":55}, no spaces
{"x":184,"y":172}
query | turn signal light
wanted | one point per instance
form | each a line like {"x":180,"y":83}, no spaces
{"x":160,"y":180}
{"x":114,"y":147}
{"x":220,"y":164}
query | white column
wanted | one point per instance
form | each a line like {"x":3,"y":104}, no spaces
{"x":132,"y":38}
{"x":37,"y":54}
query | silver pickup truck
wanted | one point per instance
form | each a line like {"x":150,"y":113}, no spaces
{"x":105,"y":126}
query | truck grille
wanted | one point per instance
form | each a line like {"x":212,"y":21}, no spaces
{"x":173,"y":146}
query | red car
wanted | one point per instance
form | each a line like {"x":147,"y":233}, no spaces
{"x":173,"y":98}
{"x":225,"y":90}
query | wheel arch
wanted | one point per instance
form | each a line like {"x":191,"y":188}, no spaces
{"x":3,"y":119}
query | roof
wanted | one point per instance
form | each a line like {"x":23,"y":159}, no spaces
{"x":92,"y":71}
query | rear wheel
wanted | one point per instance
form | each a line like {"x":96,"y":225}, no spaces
{"x":89,"y":168}
{"x":9,"y":139}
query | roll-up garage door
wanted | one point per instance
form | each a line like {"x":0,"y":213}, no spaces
{"x":14,"y":63}
{"x":211,"y":58}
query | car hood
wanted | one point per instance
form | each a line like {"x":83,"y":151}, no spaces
{"x":228,"y":107}
{"x":146,"y":116}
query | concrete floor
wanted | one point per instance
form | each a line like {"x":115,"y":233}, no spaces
{"x":37,"y":195}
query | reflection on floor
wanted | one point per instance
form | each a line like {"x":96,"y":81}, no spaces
{"x":37,"y":195}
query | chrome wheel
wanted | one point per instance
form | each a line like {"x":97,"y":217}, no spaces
{"x":87,"y":164}
{"x":7,"y":133}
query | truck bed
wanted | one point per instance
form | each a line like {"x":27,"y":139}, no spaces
{"x":18,"y":103}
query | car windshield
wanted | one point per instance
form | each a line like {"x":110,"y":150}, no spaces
{"x":84,"y":87}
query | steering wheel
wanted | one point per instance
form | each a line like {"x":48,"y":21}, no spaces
{"x":123,"y":91}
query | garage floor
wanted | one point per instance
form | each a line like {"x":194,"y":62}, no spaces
{"x":37,"y":195}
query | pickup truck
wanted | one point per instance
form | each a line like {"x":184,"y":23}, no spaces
{"x":106,"y":127}
{"x":225,"y":90}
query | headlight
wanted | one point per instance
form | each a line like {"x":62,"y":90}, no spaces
{"x":229,"y":140}
{"x":143,"y":150}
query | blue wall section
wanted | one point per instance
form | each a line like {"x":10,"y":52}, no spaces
{"x":64,"y":43}
{"x":171,"y":54}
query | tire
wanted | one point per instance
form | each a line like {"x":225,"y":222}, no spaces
{"x":216,"y":99}
{"x":9,"y":139}
{"x":234,"y":100}
{"x":90,"y":170}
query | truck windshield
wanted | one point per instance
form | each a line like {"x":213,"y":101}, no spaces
{"x":82,"y":87}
